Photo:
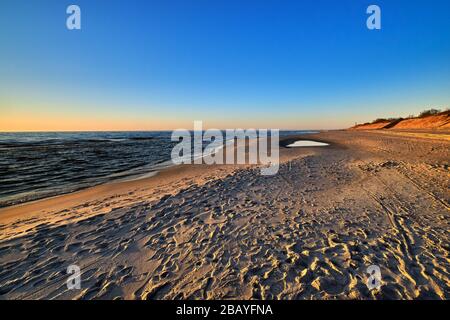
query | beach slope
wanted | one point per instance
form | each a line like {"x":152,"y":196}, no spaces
{"x":227,"y":232}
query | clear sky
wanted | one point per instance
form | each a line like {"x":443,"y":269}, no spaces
{"x":149,"y":65}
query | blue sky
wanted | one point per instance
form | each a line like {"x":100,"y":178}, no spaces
{"x":162,"y":64}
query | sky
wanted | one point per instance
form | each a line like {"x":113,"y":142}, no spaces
{"x":160,"y":65}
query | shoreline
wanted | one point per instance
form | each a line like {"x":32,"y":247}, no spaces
{"x":165,"y":174}
{"x":28,"y":195}
{"x":104,"y":191}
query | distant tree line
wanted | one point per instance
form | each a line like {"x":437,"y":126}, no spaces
{"x":430,"y":112}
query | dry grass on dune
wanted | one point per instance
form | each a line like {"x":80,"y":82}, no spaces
{"x":439,"y":121}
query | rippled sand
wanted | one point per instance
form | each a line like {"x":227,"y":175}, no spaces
{"x":220,"y":232}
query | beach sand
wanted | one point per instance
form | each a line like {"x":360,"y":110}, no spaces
{"x":227,"y":232}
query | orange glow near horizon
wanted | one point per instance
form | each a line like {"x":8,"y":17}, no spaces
{"x":39,"y":118}
{"x":61,"y":123}
{"x":36,"y":123}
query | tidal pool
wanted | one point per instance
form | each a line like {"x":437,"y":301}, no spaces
{"x":307,"y":143}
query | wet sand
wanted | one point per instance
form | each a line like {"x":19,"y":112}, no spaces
{"x":226,"y":232}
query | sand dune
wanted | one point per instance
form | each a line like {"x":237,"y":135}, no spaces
{"x":372,"y":126}
{"x":222,"y":232}
{"x":440,"y":121}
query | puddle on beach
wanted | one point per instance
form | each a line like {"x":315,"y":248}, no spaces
{"x":307,"y":143}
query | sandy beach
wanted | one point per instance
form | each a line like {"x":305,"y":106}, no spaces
{"x":227,"y":232}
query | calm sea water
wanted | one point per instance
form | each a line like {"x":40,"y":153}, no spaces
{"x":39,"y":165}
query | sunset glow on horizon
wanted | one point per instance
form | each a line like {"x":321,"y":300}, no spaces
{"x":163,"y":65}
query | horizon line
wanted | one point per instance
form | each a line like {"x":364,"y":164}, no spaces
{"x":68,"y":131}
